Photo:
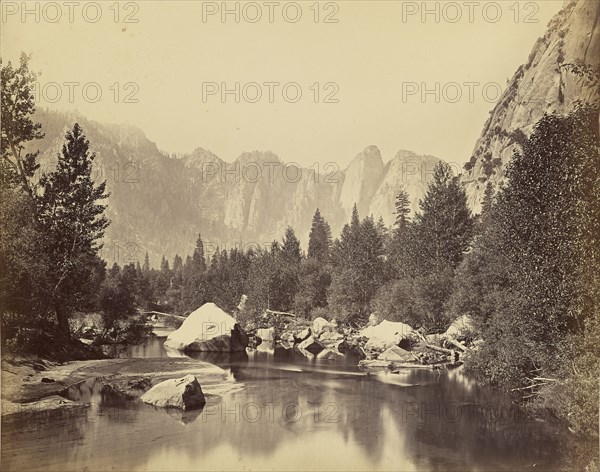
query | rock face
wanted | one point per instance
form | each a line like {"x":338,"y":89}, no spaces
{"x":184,"y":393}
{"x":542,"y":85}
{"x":409,"y":170}
{"x":361,"y":180}
{"x":208,"y":329}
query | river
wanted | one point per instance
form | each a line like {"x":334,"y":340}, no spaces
{"x":292,"y":414}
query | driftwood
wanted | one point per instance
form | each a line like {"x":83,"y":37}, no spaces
{"x":273,"y":312}
{"x":536,"y":382}
{"x":528,"y":387}
{"x":394,"y":365}
{"x":179,"y":317}
{"x":439,"y":349}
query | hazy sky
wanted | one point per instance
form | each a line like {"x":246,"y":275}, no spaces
{"x":375,"y":61}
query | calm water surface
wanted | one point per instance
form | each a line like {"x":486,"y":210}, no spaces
{"x":291,"y":415}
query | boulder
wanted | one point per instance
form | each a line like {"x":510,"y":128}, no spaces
{"x":330,"y":338}
{"x":355,"y":353}
{"x":330,"y":355}
{"x":461,"y":327}
{"x":208,"y":329}
{"x":184,"y":393}
{"x":321,"y":324}
{"x":311,"y":345}
{"x":397,"y":354}
{"x":266,"y":334}
{"x":301,"y":335}
{"x":287,"y":337}
{"x":387,"y":334}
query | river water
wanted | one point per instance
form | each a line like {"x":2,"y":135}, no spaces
{"x":292,"y":414}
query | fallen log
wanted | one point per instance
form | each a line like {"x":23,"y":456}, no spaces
{"x":273,"y":312}
{"x":439,"y":349}
{"x":459,"y":345}
{"x":395,"y":366}
{"x":374,"y":363}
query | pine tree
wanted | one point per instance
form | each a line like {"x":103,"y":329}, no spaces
{"x":146,"y":266}
{"x":291,"y":247}
{"x":354,"y":220}
{"x":358,"y":268}
{"x":198,"y":258}
{"x":402,"y":206}
{"x":288,"y":269}
{"x":164,"y":265}
{"x":319,"y":239}
{"x":486,"y":205}
{"x":177,"y":263}
{"x":444,"y":226}
{"x":74,"y":222}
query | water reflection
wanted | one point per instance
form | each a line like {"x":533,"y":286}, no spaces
{"x":294,"y":414}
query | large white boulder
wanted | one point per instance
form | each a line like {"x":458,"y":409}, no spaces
{"x":266,"y":334}
{"x":387,"y":334}
{"x":208,"y":329}
{"x":460,"y":327}
{"x":320,"y":324}
{"x":184,"y":393}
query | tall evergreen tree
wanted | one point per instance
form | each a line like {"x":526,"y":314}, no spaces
{"x":444,"y":225}
{"x":146,"y":266}
{"x":73,"y":222}
{"x":402,"y":206}
{"x":319,"y":239}
{"x":486,"y":205}
{"x":198,"y":258}
{"x":290,"y":249}
{"x":164,"y":265}
{"x":358,"y":268}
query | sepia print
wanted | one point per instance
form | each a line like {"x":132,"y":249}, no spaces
{"x":312,"y":235}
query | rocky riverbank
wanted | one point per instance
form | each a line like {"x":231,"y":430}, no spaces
{"x":380,"y":344}
{"x":35,"y":385}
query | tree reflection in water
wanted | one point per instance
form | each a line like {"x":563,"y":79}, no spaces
{"x":297,"y":413}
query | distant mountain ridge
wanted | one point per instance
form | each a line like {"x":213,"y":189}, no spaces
{"x":159,"y":203}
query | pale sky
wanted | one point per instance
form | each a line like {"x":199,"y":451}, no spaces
{"x":376,"y":53}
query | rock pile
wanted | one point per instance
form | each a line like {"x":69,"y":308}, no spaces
{"x":381,"y":344}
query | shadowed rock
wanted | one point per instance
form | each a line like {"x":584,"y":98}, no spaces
{"x":184,"y":393}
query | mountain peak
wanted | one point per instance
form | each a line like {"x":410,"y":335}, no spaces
{"x":258,"y":157}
